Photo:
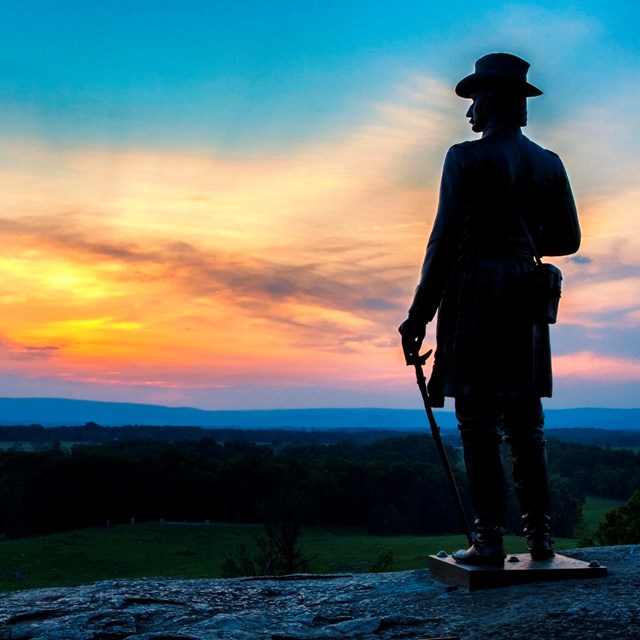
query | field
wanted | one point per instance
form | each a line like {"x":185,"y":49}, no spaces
{"x":34,"y":446}
{"x":198,"y":551}
{"x":594,"y":512}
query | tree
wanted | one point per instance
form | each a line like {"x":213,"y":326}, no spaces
{"x":567,"y":503}
{"x":622,"y":525}
{"x":278,"y":548}
{"x":277,"y":551}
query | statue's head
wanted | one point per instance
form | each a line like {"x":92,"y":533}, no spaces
{"x":499,"y":90}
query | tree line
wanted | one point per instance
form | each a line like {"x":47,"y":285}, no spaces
{"x":42,"y":438}
{"x":390,"y":486}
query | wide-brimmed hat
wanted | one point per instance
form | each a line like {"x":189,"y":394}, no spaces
{"x":502,"y":69}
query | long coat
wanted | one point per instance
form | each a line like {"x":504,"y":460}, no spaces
{"x":476,"y":271}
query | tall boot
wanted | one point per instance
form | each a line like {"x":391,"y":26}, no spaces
{"x":531,"y":485}
{"x":482,"y":446}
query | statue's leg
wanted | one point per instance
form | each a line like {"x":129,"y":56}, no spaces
{"x":480,"y":424}
{"x":523,"y":426}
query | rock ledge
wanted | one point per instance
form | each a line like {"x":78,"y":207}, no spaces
{"x":385,"y":606}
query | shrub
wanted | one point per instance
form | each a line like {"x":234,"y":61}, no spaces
{"x":621,"y":525}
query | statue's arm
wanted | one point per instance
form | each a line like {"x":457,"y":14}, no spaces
{"x":443,"y":246}
{"x":560,"y":230}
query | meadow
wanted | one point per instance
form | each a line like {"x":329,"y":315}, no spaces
{"x":174,"y":550}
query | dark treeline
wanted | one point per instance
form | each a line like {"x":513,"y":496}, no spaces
{"x":395,"y":485}
{"x":597,"y":471}
{"x":629,"y":439}
{"x":92,"y":432}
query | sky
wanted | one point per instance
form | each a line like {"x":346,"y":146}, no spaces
{"x":225,"y":205}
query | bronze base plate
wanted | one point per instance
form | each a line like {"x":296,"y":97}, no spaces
{"x":518,"y":569}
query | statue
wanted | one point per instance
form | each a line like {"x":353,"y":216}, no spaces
{"x":503,"y":200}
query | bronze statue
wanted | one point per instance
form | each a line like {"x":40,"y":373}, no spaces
{"x":499,"y":195}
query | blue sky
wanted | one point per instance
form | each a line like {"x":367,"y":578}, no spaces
{"x":225,"y":204}
{"x":229,"y":72}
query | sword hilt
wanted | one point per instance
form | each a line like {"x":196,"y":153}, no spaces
{"x":420,"y":359}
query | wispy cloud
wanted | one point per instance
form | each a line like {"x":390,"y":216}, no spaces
{"x":587,"y":365}
{"x":13,"y":351}
{"x":207,"y":265}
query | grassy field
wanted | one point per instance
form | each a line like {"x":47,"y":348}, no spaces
{"x":594,"y":512}
{"x":34,"y":446}
{"x":198,"y":551}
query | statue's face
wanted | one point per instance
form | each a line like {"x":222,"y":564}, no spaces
{"x":480,"y":111}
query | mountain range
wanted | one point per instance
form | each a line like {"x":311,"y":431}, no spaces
{"x":50,"y":412}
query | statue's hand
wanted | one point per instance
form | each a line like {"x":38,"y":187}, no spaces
{"x":412,"y":332}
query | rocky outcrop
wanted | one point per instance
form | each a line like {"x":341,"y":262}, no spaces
{"x":385,"y":606}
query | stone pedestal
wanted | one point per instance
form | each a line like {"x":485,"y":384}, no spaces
{"x":518,"y":569}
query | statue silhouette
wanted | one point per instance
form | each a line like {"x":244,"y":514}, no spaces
{"x":499,"y":196}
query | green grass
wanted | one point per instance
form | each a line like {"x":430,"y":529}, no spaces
{"x":198,"y":551}
{"x":354,"y":550}
{"x":594,"y":511}
{"x":126,"y":551}
{"x":34,"y":446}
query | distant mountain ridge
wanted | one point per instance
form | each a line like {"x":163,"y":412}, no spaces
{"x":51,"y":412}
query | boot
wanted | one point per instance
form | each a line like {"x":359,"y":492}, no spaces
{"x":482,"y":446}
{"x":539,"y":542}
{"x":486,"y":550}
{"x":531,"y":484}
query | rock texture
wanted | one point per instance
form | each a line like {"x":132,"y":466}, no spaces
{"x":368,"y":606}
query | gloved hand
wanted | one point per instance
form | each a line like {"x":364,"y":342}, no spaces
{"x":412,"y":332}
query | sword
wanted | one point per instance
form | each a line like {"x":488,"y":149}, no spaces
{"x":418,"y":361}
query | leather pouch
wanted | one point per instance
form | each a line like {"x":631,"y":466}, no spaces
{"x":547,"y":289}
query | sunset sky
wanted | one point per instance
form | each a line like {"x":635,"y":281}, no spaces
{"x":225,"y":204}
